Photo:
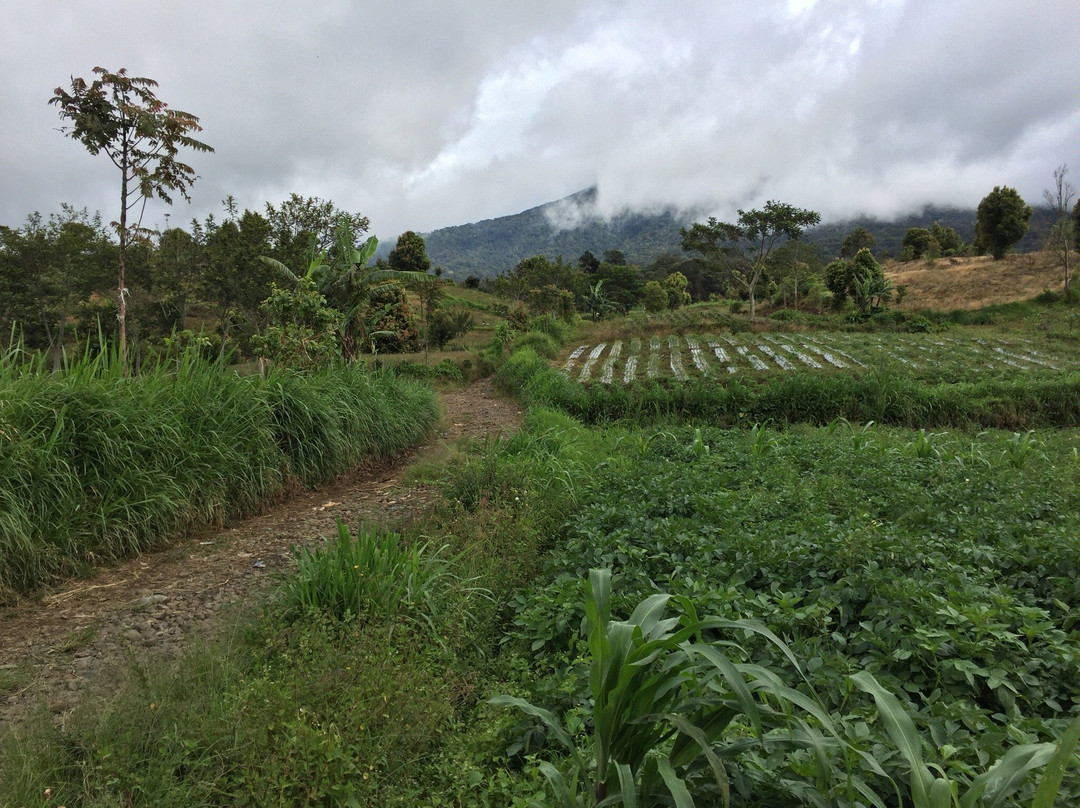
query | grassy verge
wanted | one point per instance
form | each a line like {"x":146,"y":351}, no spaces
{"x":363,"y":680}
{"x":95,"y":467}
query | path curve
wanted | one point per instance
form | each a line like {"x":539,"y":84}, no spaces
{"x":77,"y":637}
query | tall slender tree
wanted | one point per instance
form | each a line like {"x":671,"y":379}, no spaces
{"x":1062,"y":236}
{"x":121,"y":116}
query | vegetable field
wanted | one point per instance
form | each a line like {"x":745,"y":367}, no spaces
{"x":736,"y":355}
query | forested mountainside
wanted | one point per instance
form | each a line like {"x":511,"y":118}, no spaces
{"x":492,"y":246}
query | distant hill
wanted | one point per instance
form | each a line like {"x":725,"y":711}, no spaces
{"x":564,"y":228}
{"x":570,"y":226}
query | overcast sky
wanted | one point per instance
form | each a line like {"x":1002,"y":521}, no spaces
{"x":427,"y":113}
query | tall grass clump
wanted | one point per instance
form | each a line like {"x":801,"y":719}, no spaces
{"x":372,"y":575}
{"x":96,"y":465}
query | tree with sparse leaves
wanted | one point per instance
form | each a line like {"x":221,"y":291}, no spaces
{"x":119,"y":115}
{"x":1063,"y":232}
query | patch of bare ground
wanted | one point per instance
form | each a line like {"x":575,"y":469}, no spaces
{"x":971,"y":283}
{"x":78,"y":638}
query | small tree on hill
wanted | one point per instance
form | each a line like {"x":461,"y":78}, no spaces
{"x":861,"y":279}
{"x":1001,"y":220}
{"x":410,"y":255}
{"x":119,"y":115}
{"x":920,"y":243}
{"x":654,"y":298}
{"x":947,"y":238}
{"x":1063,"y":233}
{"x":856,"y":240}
{"x":675,"y":285}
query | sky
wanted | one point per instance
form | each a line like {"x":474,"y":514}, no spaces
{"x":422,"y":114}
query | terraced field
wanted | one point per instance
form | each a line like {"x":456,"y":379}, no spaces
{"x":680,"y":357}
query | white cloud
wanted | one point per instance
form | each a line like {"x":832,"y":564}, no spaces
{"x":435,"y":112}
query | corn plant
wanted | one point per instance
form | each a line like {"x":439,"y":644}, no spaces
{"x":1021,"y":448}
{"x":670,"y":709}
{"x":699,"y":446}
{"x":761,"y":442}
{"x":922,"y":447}
{"x":931,"y":787}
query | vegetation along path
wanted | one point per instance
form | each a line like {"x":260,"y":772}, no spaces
{"x":80,"y":637}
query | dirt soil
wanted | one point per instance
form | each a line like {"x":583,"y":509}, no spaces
{"x":79,"y":637}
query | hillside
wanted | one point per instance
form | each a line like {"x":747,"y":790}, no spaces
{"x":971,"y":283}
{"x":568,"y":227}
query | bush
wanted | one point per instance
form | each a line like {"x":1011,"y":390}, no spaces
{"x":444,"y":325}
{"x":544,"y":344}
{"x":555,"y":327}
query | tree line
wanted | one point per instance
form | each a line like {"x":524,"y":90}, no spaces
{"x":299,"y":271}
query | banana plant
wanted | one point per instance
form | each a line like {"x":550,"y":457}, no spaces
{"x":345,"y":276}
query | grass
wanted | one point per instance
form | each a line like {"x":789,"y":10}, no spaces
{"x":977,"y":282}
{"x":943,"y":563}
{"x":96,"y":467}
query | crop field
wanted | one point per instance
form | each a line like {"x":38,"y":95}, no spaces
{"x":941,"y":357}
{"x":944,"y":564}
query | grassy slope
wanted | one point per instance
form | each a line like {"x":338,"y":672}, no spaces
{"x":972,"y":283}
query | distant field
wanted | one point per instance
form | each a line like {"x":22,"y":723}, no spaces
{"x":936,"y":357}
{"x":971,"y":283}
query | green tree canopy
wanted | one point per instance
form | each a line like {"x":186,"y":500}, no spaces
{"x":856,"y":240}
{"x":654,"y":298}
{"x":1002,"y":220}
{"x":410,"y":254}
{"x":920,"y":243}
{"x":752,"y":237}
{"x":947,"y":238}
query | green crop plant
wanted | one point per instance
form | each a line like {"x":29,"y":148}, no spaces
{"x":930,"y":786}
{"x":922,"y":446}
{"x":761,"y":442}
{"x":670,"y":708}
{"x":1020,"y":448}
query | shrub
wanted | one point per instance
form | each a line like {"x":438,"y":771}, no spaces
{"x":544,"y":344}
{"x":372,"y":576}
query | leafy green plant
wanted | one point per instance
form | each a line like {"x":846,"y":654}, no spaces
{"x":699,"y":446}
{"x":922,"y":446}
{"x":370,"y":576}
{"x":761,"y":442}
{"x":931,"y":786}
{"x":670,"y":709}
{"x":1022,"y":447}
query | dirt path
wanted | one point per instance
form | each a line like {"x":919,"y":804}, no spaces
{"x":78,"y":637}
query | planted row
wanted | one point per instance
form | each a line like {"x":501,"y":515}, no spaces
{"x":938,"y":358}
{"x":1014,"y":401}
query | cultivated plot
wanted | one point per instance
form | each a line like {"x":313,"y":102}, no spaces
{"x":681,"y":357}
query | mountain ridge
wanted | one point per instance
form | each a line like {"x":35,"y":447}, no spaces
{"x":569,"y":226}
